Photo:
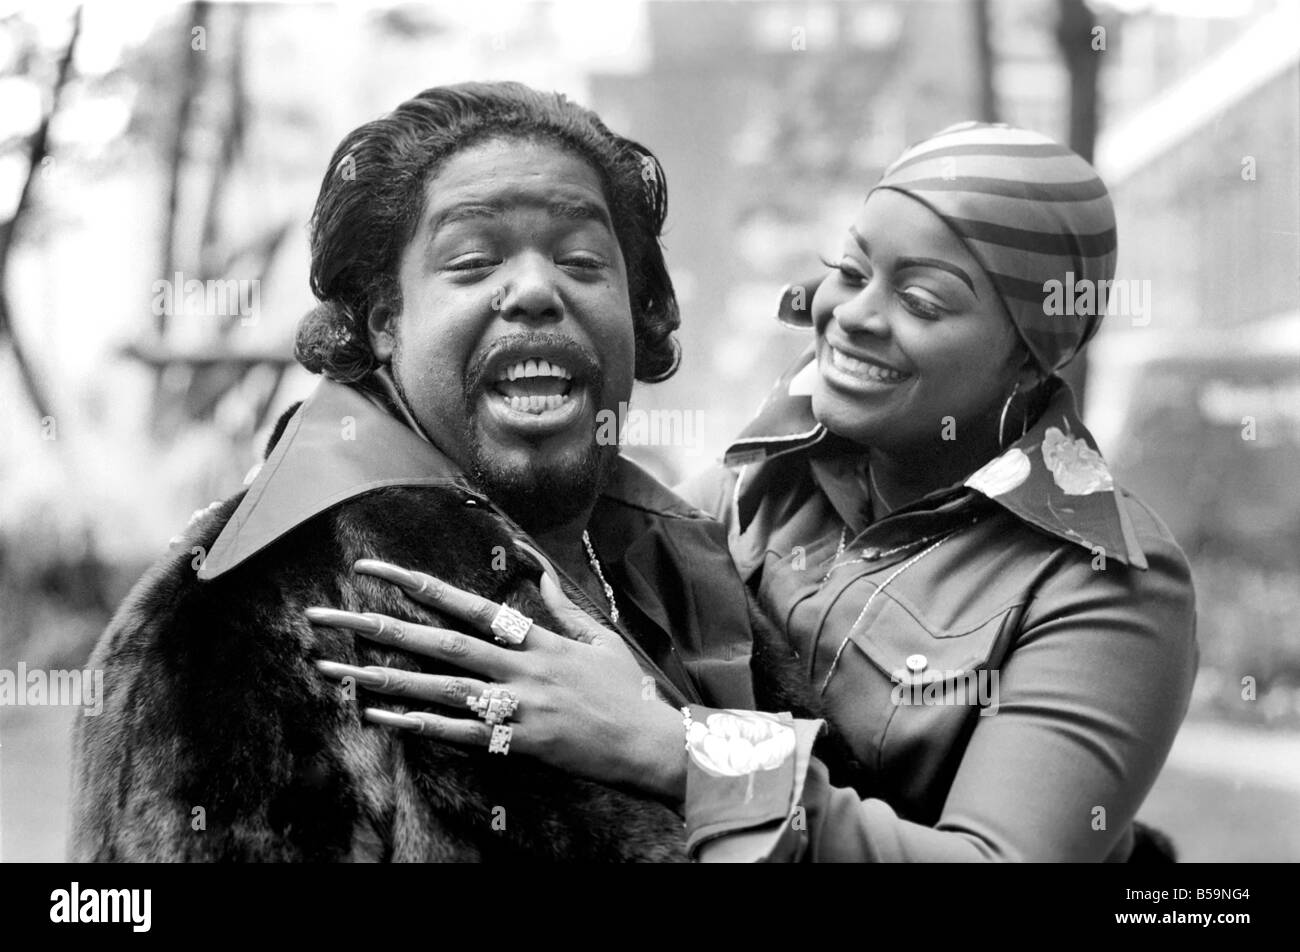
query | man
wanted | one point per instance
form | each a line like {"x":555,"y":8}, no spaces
{"x":488,"y":263}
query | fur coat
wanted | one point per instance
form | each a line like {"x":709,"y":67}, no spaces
{"x":220,"y":741}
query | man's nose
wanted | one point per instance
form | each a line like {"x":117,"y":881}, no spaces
{"x":530,"y":292}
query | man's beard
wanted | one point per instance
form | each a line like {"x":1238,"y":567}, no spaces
{"x":547,"y":493}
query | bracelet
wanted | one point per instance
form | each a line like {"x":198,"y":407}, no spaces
{"x":687,"y":722}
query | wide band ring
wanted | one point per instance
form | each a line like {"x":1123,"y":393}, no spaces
{"x":496,"y":704}
{"x":510,"y":627}
{"x":500,"y":742}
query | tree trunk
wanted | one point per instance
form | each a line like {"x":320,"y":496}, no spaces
{"x":1074,"y":35}
{"x":988,"y":97}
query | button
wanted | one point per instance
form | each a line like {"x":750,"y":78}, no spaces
{"x":916,"y":662}
{"x":871,"y":554}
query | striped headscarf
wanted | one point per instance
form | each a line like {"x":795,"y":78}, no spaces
{"x":1031,"y":211}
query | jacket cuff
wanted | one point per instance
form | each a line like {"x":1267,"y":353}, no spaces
{"x":745,"y":774}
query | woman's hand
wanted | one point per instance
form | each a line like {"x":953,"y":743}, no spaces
{"x":583,"y":706}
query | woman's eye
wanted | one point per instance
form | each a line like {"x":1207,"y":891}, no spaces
{"x":848,"y":271}
{"x":921,"y":302}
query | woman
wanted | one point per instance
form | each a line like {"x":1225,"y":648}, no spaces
{"x":1003,"y":637}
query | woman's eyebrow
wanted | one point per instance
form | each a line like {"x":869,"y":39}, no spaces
{"x":904,"y":263}
{"x":859,"y":241}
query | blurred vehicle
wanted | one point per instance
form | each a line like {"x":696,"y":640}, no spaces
{"x":1206,"y":430}
{"x":1212,"y":442}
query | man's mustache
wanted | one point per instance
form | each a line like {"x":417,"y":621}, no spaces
{"x":581,"y":361}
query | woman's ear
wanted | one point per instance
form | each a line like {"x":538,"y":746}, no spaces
{"x":1030,"y":375}
{"x":381,"y":326}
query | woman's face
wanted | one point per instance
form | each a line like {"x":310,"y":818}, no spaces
{"x":913,"y":345}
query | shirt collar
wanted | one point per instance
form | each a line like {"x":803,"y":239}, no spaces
{"x":348,"y":440}
{"x":340,"y":443}
{"x":1053,"y":478}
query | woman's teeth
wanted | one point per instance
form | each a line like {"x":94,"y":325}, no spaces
{"x":536,"y":404}
{"x":861,"y":368}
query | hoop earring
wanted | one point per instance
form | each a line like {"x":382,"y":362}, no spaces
{"x":1002,"y":419}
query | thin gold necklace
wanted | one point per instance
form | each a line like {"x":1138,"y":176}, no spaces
{"x":595,"y":567}
{"x":875,"y":490}
{"x":872,"y":597}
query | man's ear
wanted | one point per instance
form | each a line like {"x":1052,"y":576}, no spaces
{"x":381,"y":325}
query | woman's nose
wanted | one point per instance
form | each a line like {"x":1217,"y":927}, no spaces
{"x":865,"y":312}
{"x":530,"y":292}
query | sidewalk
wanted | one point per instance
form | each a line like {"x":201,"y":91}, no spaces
{"x":1269,"y":758}
{"x":1229,"y":794}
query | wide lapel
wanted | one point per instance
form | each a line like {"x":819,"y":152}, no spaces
{"x":338,"y":445}
{"x":1055,"y":479}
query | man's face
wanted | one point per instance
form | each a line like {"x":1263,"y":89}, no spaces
{"x":516,"y":327}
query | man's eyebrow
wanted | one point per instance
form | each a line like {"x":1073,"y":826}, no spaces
{"x":465,"y":211}
{"x":579,"y":210}
{"x":566,"y":209}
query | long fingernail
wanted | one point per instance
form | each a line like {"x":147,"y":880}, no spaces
{"x":364,"y":676}
{"x":393,"y":573}
{"x":538,"y":559}
{"x":338,"y":619}
{"x":388,"y":719}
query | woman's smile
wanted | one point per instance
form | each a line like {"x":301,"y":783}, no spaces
{"x":858,"y":373}
{"x":862,"y":370}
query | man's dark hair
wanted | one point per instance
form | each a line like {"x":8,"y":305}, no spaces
{"x":373,"y":195}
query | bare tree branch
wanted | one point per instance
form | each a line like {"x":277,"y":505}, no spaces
{"x":38,"y":149}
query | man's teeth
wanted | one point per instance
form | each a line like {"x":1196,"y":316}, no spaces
{"x":535,"y":404}
{"x":534,"y":368}
{"x":861,"y":368}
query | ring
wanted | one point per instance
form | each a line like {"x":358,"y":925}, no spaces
{"x":509,"y":627}
{"x":496,"y":704}
{"x":500,"y":742}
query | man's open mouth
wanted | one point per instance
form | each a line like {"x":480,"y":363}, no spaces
{"x":534,"y":385}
